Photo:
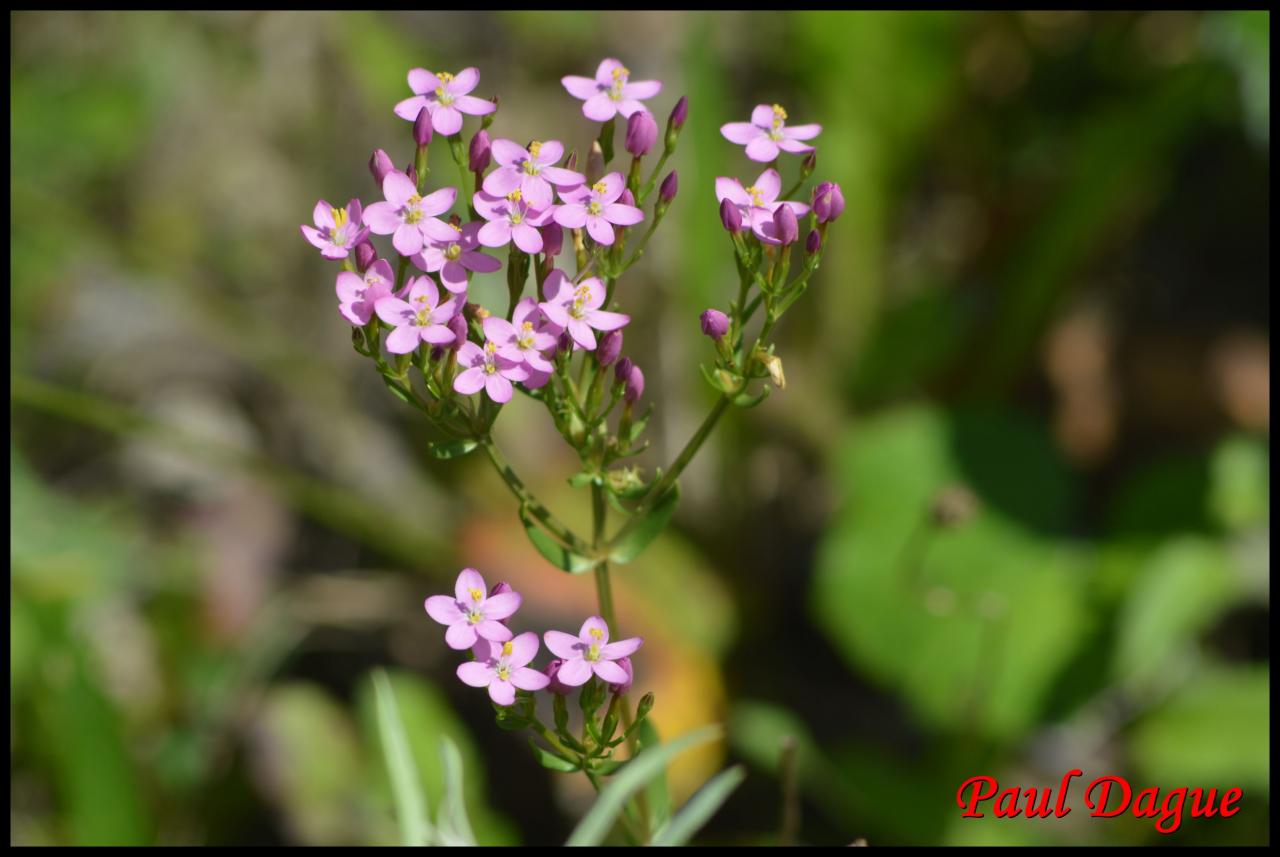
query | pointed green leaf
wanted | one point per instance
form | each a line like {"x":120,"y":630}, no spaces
{"x":647,"y":528}
{"x":699,"y":809}
{"x":451,"y":448}
{"x":556,"y":554}
{"x":552,"y":761}
{"x":453,"y":827}
{"x":746,"y":400}
{"x":405,"y":783}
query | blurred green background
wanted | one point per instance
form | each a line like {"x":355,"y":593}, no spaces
{"x":1009,"y":517}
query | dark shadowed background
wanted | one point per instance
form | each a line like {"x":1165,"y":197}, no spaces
{"x":1008,"y":517}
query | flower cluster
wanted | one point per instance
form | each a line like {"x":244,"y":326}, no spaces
{"x":569,"y":228}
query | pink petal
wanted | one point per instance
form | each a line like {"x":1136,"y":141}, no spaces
{"x":403,"y":340}
{"x":490,"y":206}
{"x":604,"y":71}
{"x":769,"y":183}
{"x":454,"y":276}
{"x":508,"y":153}
{"x":469,"y":579}
{"x":476,"y":673}
{"x":446,"y":120}
{"x":437,"y":334}
{"x":740,"y":132}
{"x":412,"y":106}
{"x":556,"y":282}
{"x":481,"y":263}
{"x":422,"y":81}
{"x":503,"y":605}
{"x":762,"y":149}
{"x":641,"y":88}
{"x":397,"y":188}
{"x":581,"y":333}
{"x":502,"y":692}
{"x":392,"y":310}
{"x":801,"y":132}
{"x":443,"y":609}
{"x":571,"y":216}
{"x":794,"y":146}
{"x":322,"y":215}
{"x":470,"y":354}
{"x":580,"y":87}
{"x":526,"y":237}
{"x":470,"y":381}
{"x":732,"y":190}
{"x":610,"y":672}
{"x":594,"y":623}
{"x":613,"y":185}
{"x":562,"y":645}
{"x":438,"y":202}
{"x":557,"y":313}
{"x":527,"y":679}
{"x":627,"y":106}
{"x":495,"y":233}
{"x":622,"y":648}
{"x":595,"y":292}
{"x":599,"y":108}
{"x":551,"y":151}
{"x":313,"y":235}
{"x":382,"y":218}
{"x":464,"y":81}
{"x":574,"y":672}
{"x":461,"y":635}
{"x":498,"y":388}
{"x":622,"y":215}
{"x":599,"y":229}
{"x":536,"y":192}
{"x":762,"y":115}
{"x":524,"y":647}
{"x":492,"y":629}
{"x":424,"y":286}
{"x":562,"y":177}
{"x":473,"y":106}
{"x":602,"y":320}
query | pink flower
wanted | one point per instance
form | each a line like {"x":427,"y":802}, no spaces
{"x":406,"y":213}
{"x":357,"y":295}
{"x":576,"y":308}
{"x":511,"y":218}
{"x":597,"y":207}
{"x":422,"y":318}
{"x":504,"y":668}
{"x":758,"y":202}
{"x":451,"y":250}
{"x":532,"y":171}
{"x":445,"y":97}
{"x":470,"y":614}
{"x":590,"y":652}
{"x":611,"y":92}
{"x":767,"y":132}
{"x":523,"y":338}
{"x":488,"y":369}
{"x":337,"y":230}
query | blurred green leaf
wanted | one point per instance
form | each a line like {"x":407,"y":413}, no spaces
{"x":1240,"y":488}
{"x":453,"y":825}
{"x":646,"y":529}
{"x":698,"y":810}
{"x":554,"y":552}
{"x":406,"y":785}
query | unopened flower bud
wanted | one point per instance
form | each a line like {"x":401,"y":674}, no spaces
{"x":773,"y":363}
{"x":552,"y":238}
{"x":422,"y":128}
{"x":595,"y":163}
{"x":642,"y":133}
{"x":412,"y":173}
{"x":557,"y":686}
{"x":627,"y":198}
{"x":645,"y":705}
{"x":571,"y":162}
{"x":812,"y":242}
{"x":679,"y":114}
{"x":828,"y":202}
{"x":667,"y":190}
{"x":622,"y":370}
{"x":366,"y":255}
{"x":487,"y":120}
{"x":715,"y":324}
{"x":625,"y":663}
{"x":808,"y":164}
{"x":785,"y":227}
{"x":458,"y":326}
{"x":565,"y":342}
{"x":478,"y":154}
{"x":479,"y":312}
{"x":730,"y":216}
{"x":635,"y":385}
{"x":609,"y":348}
{"x":379,"y":165}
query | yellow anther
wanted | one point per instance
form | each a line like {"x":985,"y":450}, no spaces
{"x":476,"y":594}
{"x":504,"y":673}
{"x":339,"y":217}
{"x":414,"y":200}
{"x":593,"y":652}
{"x":596,"y":634}
{"x":412,"y":216}
{"x":490,"y":347}
{"x":506,"y":648}
{"x":621,"y":72}
{"x":778,"y":112}
{"x":593,"y":208}
{"x":600,"y":186}
{"x":453,"y":251}
{"x":443,"y":76}
{"x":422,"y":319}
{"x":534,"y":148}
{"x":514,"y":196}
{"x":422,"y":299}
{"x":757,"y":195}
{"x":527,"y":327}
{"x":456,"y":228}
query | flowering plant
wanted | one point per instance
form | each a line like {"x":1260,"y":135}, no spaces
{"x":560,"y":344}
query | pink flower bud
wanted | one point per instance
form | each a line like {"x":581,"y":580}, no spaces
{"x":458,"y":325}
{"x":627,"y":198}
{"x":828,"y":202}
{"x":609,"y":348}
{"x":366,"y":255}
{"x":552,"y":239}
{"x":730,"y":216}
{"x":622,"y":370}
{"x":479,"y":153}
{"x":623,"y":687}
{"x":635,"y":385}
{"x":412,"y":173}
{"x":812,"y":242}
{"x":667,"y":191}
{"x":679,"y":113}
{"x":642,"y":133}
{"x":379,"y":165}
{"x":808,"y":164}
{"x":786,"y":229}
{"x":422,"y":128}
{"x":715,"y":324}
{"x":557,"y":686}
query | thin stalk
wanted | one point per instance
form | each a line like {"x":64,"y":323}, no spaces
{"x":522,"y":493}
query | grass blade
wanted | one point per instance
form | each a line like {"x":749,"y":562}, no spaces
{"x":453,"y":826}
{"x":406,"y":785}
{"x":699,"y":808}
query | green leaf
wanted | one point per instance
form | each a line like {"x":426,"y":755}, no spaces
{"x":451,"y":448}
{"x":746,"y":400}
{"x":651,"y":763}
{"x":396,"y":389}
{"x":554,"y":552}
{"x":646,"y":529}
{"x":581,"y":480}
{"x":552,"y":761}
{"x":657,"y":792}
{"x":1240,"y":483}
{"x":406,"y":786}
{"x":699,"y":808}
{"x":452,"y":825}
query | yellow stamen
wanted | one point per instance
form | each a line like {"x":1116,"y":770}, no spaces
{"x":534,"y":148}
{"x":339,"y":217}
{"x":506,"y":648}
{"x":444,"y":76}
{"x":600,"y":186}
{"x":596,"y":634}
{"x":452,"y":252}
{"x":757,"y":195}
{"x":476,"y":594}
{"x":621,"y":72}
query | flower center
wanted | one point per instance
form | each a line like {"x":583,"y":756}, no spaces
{"x":339,"y":218}
{"x":620,"y":75}
{"x":413,"y":215}
{"x":525,"y":339}
{"x":453,"y":251}
{"x":593,"y":208}
{"x":490,"y":348}
{"x":504,"y":672}
{"x":422,"y":317}
{"x":442,"y":94}
{"x":593,"y":652}
{"x":757,"y":196}
{"x":474,"y":617}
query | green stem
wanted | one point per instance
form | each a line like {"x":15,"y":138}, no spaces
{"x":539,"y":511}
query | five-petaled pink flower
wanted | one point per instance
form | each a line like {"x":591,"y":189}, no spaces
{"x":758,"y":202}
{"x":451,"y":250}
{"x":532,"y":171}
{"x":767,"y":132}
{"x":489,"y":369}
{"x":597,"y":208}
{"x":611,"y":92}
{"x":504,"y":668}
{"x":590,"y":652}
{"x":471,"y":614}
{"x":406,"y":213}
{"x":523,"y":338}
{"x":421,"y":318}
{"x":357,"y":295}
{"x":576,"y":308}
{"x":511,"y":218}
{"x":445,"y":97}
{"x":337,"y":230}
